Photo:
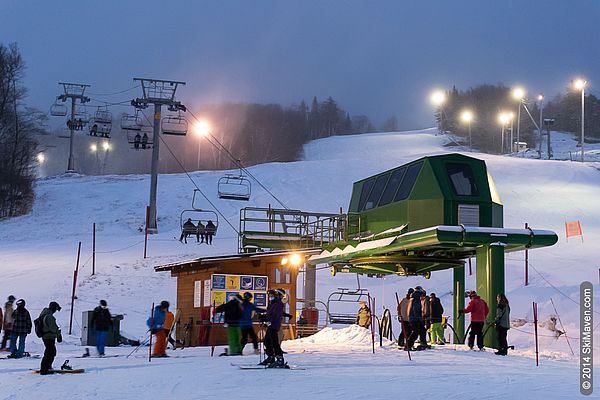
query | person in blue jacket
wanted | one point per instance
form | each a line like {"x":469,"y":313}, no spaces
{"x":156,"y":324}
{"x":415,"y":317}
{"x":248,"y":308}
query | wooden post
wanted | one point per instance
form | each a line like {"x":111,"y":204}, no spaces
{"x":535,"y":321}
{"x":94,"y":249}
{"x":74,"y":286}
{"x":146,"y":231}
{"x":372,"y":324}
{"x":470,"y":268}
{"x":526,"y":261}
{"x":151,"y":325}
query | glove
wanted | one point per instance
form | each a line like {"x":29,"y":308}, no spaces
{"x":59,"y":339}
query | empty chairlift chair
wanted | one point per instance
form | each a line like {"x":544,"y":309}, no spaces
{"x":344,"y":295}
{"x":58,"y":110}
{"x":174,"y":125}
{"x":234,"y":187}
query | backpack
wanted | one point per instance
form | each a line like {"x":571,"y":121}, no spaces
{"x":38,"y":325}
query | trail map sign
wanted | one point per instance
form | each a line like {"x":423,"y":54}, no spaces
{"x":224,"y":286}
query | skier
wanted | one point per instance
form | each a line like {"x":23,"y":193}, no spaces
{"x":156,"y":324}
{"x":403,"y":318}
{"x":502,"y":323}
{"x":51,"y":335}
{"x":102,"y":323}
{"x":415,"y":317}
{"x":248,"y":307}
{"x":233,"y":314}
{"x":273,"y":319}
{"x":7,"y":322}
{"x":136,"y":141}
{"x":188,"y":229}
{"x":21,"y":328}
{"x":201,"y":233}
{"x":144,"y":141}
{"x":211,"y":229}
{"x":426,"y":311}
{"x":363,"y":319}
{"x":479,"y":311}
{"x":436,"y":331}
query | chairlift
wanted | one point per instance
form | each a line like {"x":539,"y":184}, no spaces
{"x":207,"y":220}
{"x":345,"y":295}
{"x":234,"y":187}
{"x":100,"y":129}
{"x":78,"y":121}
{"x":58,"y":110}
{"x":103,"y":116}
{"x":139,"y":140}
{"x":174,"y":125}
{"x":131,"y":122}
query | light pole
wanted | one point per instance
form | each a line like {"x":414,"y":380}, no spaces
{"x":467,"y":116}
{"x":519,"y":94}
{"x":579,"y":84}
{"x":201,"y":129}
{"x":541,"y":100}
{"x":438,"y":98}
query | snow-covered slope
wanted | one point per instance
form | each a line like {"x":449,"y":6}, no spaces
{"x":38,"y":251}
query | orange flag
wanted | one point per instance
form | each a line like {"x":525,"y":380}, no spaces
{"x":573,"y":229}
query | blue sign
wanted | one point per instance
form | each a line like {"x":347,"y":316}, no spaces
{"x":246,"y":283}
{"x":260,"y":299}
{"x":218,"y":281}
{"x":260,"y":283}
{"x":230,"y":295}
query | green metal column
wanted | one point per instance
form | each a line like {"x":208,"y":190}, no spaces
{"x":490,"y":282}
{"x":459,"y":302}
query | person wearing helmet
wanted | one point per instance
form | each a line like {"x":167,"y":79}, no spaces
{"x":102,"y":324}
{"x":248,"y":309}
{"x":7,"y":321}
{"x":479,"y":310}
{"x":232,"y":311}
{"x":21,"y":328}
{"x":274,"y":317}
{"x":51,"y":335}
{"x":156,"y":324}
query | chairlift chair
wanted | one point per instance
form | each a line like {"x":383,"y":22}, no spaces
{"x":103,"y":117}
{"x":131,"y":122}
{"x":137,"y":142}
{"x":58,"y":110}
{"x":234,"y":187}
{"x":174,"y":125}
{"x":344,"y":295}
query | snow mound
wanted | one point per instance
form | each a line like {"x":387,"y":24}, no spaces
{"x":352,"y":335}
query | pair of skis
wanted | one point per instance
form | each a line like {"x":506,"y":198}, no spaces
{"x":256,"y":366}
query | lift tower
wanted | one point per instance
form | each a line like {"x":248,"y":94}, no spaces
{"x":157,"y":92}
{"x":73,"y":91}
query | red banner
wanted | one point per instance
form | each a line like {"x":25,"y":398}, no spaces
{"x":573,"y":229}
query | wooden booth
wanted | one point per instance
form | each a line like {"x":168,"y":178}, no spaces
{"x":205,"y":283}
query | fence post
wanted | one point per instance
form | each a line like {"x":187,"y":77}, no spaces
{"x":94,"y":249}
{"x":526,"y":261}
{"x":74,"y":286}
{"x":535,"y":322}
{"x":146,"y":231}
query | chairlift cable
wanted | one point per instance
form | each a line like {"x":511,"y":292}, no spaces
{"x":222,"y":148}
{"x":191,"y":179}
{"x":115,"y":93}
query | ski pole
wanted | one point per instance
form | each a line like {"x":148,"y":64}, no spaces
{"x":138,"y":346}
{"x":151,"y":328}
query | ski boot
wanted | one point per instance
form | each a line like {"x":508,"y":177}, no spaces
{"x":87,"y":352}
{"x":267,"y":361}
{"x":66,"y":366}
{"x":278,"y":363}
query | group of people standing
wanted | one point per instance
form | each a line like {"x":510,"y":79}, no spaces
{"x":419,"y":314}
{"x":16,"y":323}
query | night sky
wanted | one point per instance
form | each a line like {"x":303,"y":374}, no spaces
{"x":380,"y":58}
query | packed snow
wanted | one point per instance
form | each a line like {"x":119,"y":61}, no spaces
{"x":38,"y":255}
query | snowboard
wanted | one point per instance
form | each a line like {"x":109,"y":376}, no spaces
{"x":255,"y":366}
{"x":24,"y":357}
{"x":63,"y":371}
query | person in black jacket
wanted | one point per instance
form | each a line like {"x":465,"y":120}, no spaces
{"x":233,"y":314}
{"x":21,"y":328}
{"x":102,"y":323}
{"x":436,"y":331}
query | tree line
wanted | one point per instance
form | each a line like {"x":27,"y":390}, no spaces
{"x":19,"y":124}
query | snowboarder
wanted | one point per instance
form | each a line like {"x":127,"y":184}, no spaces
{"x":21,"y":328}
{"x":50,"y":335}
{"x":502,"y":323}
{"x":436,"y":331}
{"x":144,"y":141}
{"x":136,"y":141}
{"x":415,"y":317}
{"x":273,"y":318}
{"x":403,"y":317}
{"x":248,"y":307}
{"x":102,"y":323}
{"x":7,"y":322}
{"x":188,"y":229}
{"x":211,"y":229}
{"x":479,"y":311}
{"x":233,"y":313}
{"x":156,"y":324}
{"x":363,"y":319}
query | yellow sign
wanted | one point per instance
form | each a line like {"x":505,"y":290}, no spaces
{"x":218,"y":298}
{"x":232,"y":282}
{"x":157,"y":116}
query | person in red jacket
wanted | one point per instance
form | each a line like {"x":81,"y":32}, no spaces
{"x":479,"y":311}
